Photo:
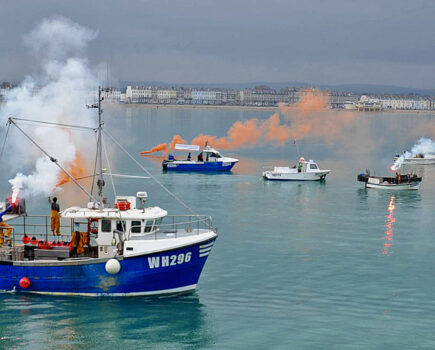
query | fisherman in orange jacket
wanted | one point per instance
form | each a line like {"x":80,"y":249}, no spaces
{"x":54,"y":215}
{"x":3,"y":225}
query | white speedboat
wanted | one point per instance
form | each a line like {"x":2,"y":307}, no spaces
{"x":303,"y":171}
{"x":416,"y":159}
{"x":398,"y":182}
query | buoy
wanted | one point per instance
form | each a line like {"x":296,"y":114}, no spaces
{"x":113,"y":266}
{"x":25,"y":239}
{"x":34,"y":241}
{"x":24,"y":283}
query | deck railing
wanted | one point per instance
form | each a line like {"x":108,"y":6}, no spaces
{"x":190,"y":223}
{"x":39,"y":226}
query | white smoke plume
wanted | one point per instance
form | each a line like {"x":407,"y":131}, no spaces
{"x":424,"y":146}
{"x":58,"y":93}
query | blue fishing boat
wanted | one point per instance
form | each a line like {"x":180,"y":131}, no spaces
{"x":124,"y":249}
{"x":208,"y":160}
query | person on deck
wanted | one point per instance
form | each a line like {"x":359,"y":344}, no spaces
{"x":189,"y":157}
{"x":55,"y":217}
{"x":200,"y":158}
{"x":299,"y":167}
{"x":3,"y":225}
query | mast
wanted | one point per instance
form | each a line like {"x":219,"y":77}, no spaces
{"x":100,"y":181}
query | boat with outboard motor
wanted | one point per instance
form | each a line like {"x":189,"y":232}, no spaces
{"x":120,"y":250}
{"x":416,"y":159}
{"x":303,"y":171}
{"x":398,"y":182}
{"x":208,"y":160}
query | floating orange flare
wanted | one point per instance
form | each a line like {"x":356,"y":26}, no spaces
{"x":76,"y":168}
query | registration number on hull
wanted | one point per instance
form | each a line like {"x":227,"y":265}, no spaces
{"x":169,"y":260}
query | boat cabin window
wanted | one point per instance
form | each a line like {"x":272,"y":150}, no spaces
{"x":148,"y":226}
{"x":135,"y":227}
{"x":313,"y":166}
{"x":106,"y":225}
{"x":120,"y":225}
{"x":216,"y":155}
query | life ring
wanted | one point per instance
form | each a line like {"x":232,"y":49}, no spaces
{"x":93,"y":228}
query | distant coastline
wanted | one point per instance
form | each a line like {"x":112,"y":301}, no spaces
{"x":256,"y":108}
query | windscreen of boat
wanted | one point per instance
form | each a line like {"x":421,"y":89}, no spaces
{"x":120,"y":225}
{"x":313,"y":166}
{"x":106,"y":225}
{"x":135,"y":227}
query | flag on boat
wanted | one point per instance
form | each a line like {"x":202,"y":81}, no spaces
{"x":182,"y":147}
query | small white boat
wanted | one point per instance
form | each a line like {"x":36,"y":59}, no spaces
{"x":303,"y":171}
{"x":398,"y":182}
{"x":416,"y":159}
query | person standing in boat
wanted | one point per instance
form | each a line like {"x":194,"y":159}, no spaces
{"x":299,"y":167}
{"x":3,"y":225}
{"x":189,"y":157}
{"x":55,"y":217}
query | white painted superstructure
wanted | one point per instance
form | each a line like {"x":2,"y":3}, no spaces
{"x":303,"y":171}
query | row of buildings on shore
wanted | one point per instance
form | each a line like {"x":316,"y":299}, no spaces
{"x":261,"y":96}
{"x":267,"y":97}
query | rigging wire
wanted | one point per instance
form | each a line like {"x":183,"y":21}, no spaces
{"x":4,"y":141}
{"x":95,"y":167}
{"x":103,"y":145}
{"x":149,"y":174}
{"x":54,"y":160}
{"x":61,"y":125}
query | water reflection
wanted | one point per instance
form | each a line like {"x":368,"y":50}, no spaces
{"x":70,"y":323}
{"x":388,"y":237}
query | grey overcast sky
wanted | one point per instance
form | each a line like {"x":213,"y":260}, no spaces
{"x":315,"y":41}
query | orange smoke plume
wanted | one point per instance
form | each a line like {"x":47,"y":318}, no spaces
{"x":310,"y":116}
{"x":164,"y":147}
{"x":76,"y":168}
{"x":161,"y":147}
{"x":176,"y":139}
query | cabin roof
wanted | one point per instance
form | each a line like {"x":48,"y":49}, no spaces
{"x":112,"y":213}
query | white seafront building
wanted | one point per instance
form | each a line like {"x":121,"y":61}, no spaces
{"x":403,"y":102}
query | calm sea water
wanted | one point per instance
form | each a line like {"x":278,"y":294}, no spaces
{"x":296,"y":266}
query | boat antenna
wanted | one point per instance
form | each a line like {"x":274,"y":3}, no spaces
{"x":100,"y":181}
{"x":297,"y":148}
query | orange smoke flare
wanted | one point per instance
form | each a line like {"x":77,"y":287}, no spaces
{"x":176,"y":139}
{"x":76,"y":168}
{"x":161,"y":147}
{"x":310,"y":116}
{"x":164,"y":147}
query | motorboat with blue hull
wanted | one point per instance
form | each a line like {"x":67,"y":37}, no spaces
{"x":398,"y":182}
{"x":209,"y":160}
{"x":124,"y":249}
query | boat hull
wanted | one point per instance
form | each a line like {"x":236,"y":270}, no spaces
{"x":395,"y":187}
{"x":165,"y":272}
{"x":198,"y":166}
{"x":308,"y":176}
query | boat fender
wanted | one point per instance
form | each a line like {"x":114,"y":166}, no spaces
{"x":113,"y":266}
{"x":93,"y":228}
{"x":25,"y":239}
{"x":24,"y":283}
